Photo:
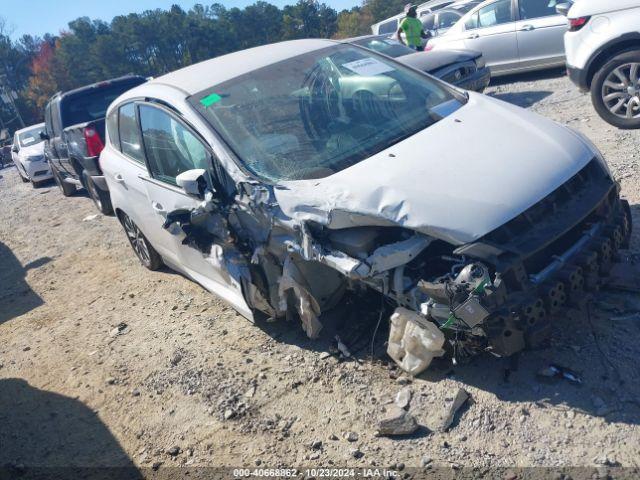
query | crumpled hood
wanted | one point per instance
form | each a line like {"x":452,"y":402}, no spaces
{"x":435,"y":60}
{"x":457,"y":180}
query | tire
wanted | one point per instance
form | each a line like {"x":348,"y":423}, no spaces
{"x":141,"y":246}
{"x":615,"y":90}
{"x":22,"y":177}
{"x":66,"y":188}
{"x":101,"y":199}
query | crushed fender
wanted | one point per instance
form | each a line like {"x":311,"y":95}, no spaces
{"x":494,"y":294}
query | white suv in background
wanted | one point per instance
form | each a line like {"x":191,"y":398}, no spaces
{"x":603,"y":56}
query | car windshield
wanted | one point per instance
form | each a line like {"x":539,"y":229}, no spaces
{"x":321,"y":112}
{"x":386,"y":46}
{"x":30,"y":137}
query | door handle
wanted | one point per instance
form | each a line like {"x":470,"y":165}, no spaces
{"x":527,"y":28}
{"x":118,"y":178}
{"x":473,"y":36}
{"x":158,"y":207}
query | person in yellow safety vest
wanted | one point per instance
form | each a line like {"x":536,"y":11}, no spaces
{"x":412,"y":29}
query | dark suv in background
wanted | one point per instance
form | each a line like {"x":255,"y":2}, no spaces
{"x":74,"y":136}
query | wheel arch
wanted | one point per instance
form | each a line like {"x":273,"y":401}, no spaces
{"x":119,"y":212}
{"x":624,"y":43}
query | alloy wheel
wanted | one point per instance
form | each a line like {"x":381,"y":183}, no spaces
{"x":137,"y":240}
{"x":621,"y":91}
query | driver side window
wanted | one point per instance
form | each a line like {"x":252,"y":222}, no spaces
{"x":497,"y":13}
{"x":170,"y":146}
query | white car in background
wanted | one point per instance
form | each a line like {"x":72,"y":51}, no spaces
{"x":28,"y":155}
{"x":390,"y":25}
{"x":603,"y":56}
{"x":513,"y":35}
{"x":294,"y":178}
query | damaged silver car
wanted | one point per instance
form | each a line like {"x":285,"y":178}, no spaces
{"x":289,"y":178}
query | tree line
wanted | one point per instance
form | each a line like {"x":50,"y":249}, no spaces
{"x":158,"y":41}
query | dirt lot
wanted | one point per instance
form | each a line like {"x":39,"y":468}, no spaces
{"x":186,"y":381}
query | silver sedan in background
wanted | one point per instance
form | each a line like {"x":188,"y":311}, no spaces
{"x":513,"y":35}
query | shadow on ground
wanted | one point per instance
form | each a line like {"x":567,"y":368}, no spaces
{"x":529,"y":76}
{"x":16,"y":296}
{"x":48,"y":435}
{"x":522,"y":99}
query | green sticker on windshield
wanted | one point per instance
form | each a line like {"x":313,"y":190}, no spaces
{"x":210,"y":100}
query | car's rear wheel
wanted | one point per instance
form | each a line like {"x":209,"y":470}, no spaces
{"x":615,"y":91}
{"x":141,"y":246}
{"x":101,"y":199}
{"x":66,"y":188}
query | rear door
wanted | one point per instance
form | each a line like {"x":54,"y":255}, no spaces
{"x":172,"y":148}
{"x":540,"y":32}
{"x":55,"y":149}
{"x":124,"y":172}
{"x":491,"y":30}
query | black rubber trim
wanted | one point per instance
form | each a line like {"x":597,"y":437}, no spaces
{"x":579,"y":77}
{"x":610,"y":44}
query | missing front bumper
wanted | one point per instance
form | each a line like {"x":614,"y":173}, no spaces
{"x":514,"y":310}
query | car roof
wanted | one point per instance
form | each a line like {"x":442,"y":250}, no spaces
{"x":86,"y":88}
{"x":463,"y":5}
{"x":201,"y":76}
{"x":26,"y":129}
{"x":367,"y":37}
{"x":466,"y":6}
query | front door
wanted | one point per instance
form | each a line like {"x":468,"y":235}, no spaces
{"x":172,"y":148}
{"x":492,"y":31}
{"x":540,"y":33}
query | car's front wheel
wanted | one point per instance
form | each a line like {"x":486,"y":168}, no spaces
{"x":141,"y":246}
{"x":615,"y":91}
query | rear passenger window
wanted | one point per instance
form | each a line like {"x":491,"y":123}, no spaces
{"x":537,"y":8}
{"x":48,"y":125}
{"x":170,"y":146}
{"x":55,"y":118}
{"x":112,"y":129}
{"x":130,"y":141}
{"x":496,"y":13}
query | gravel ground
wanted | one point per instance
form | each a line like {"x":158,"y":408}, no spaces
{"x":103,"y":363}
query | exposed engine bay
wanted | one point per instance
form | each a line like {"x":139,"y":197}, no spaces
{"x":497,"y":294}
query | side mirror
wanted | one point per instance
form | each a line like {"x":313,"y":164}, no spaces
{"x":193,"y":182}
{"x":44,"y":136}
{"x":563,"y":8}
{"x":15,"y":149}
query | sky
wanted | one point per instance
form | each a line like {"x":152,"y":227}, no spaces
{"x":37,"y":17}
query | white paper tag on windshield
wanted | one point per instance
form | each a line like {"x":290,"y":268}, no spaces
{"x":368,"y":67}
{"x":28,"y":140}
